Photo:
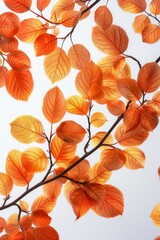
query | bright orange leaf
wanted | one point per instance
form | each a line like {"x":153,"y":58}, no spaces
{"x":6,"y":184}
{"x":116,"y":107}
{"x":110,"y":90}
{"x":69,"y":18}
{"x":103,"y":17}
{"x":52,"y":189}
{"x":45,"y":44}
{"x":9,"y":24}
{"x":154,"y":7}
{"x":151,"y":33}
{"x":98,"y":119}
{"x":140,"y":22}
{"x":25,"y":222}
{"x":18,"y":60}
{"x":131,"y":119}
{"x":148,"y":118}
{"x":12,"y":225}
{"x":8,"y":44}
{"x":99,"y":174}
{"x":45,"y":233}
{"x":44,"y":203}
{"x":42,"y":4}
{"x":135,"y":158}
{"x":77,"y":105}
{"x":24,"y":205}
{"x":132,"y":6}
{"x":155,"y":103}
{"x":2,"y":224}
{"x":80,"y":172}
{"x":99,"y":136}
{"x":18,"y":6}
{"x":155,"y":215}
{"x":40,"y":218}
{"x":3,"y":71}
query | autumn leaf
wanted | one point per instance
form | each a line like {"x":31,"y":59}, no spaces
{"x":9,"y":24}
{"x":103,"y":17}
{"x":155,"y":103}
{"x":154,"y":7}
{"x":43,"y":203}
{"x":24,"y":205}
{"x":57,"y":65}
{"x":2,"y":224}
{"x":6,"y":184}
{"x":132,"y":6}
{"x":52,"y":189}
{"x":148,"y":118}
{"x":9,"y":44}
{"x":69,"y":18}
{"x":19,"y":6}
{"x":116,"y":107}
{"x":25,"y":222}
{"x":131,"y":119}
{"x":99,"y":174}
{"x":12,"y":225}
{"x":140,"y":22}
{"x":151,"y":33}
{"x":155,"y":215}
{"x":98,"y":119}
{"x":80,"y":172}
{"x":110,"y":90}
{"x":47,"y":233}
{"x":135,"y":158}
{"x":18,"y":60}
{"x":3,"y":71}
{"x":45,"y":44}
{"x":70,"y":132}
{"x":42,"y":4}
{"x":97,"y":138}
{"x":77,"y":105}
{"x":27,"y":129}
{"x":54,"y":105}
{"x":40,"y":218}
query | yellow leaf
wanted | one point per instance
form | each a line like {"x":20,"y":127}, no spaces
{"x":6,"y":184}
{"x":135,"y":158}
{"x":98,"y":119}
{"x":77,"y":105}
{"x":99,"y":174}
{"x":99,"y":136}
{"x":140,"y":22}
{"x":155,"y":215}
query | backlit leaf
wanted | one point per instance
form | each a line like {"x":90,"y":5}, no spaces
{"x":57,"y":65}
{"x":54,"y":105}
{"x":9,"y":24}
{"x":8,"y":44}
{"x":43,"y":203}
{"x":151,"y":33}
{"x":116,"y":107}
{"x":34,"y":159}
{"x":148,"y":118}
{"x":18,"y":6}
{"x":103,"y":17}
{"x":110,"y":90}
{"x":99,"y":136}
{"x":6,"y":184}
{"x":27,"y":129}
{"x":46,"y":233}
{"x":15,"y":169}
{"x":70,"y":132}
{"x":2,"y":224}
{"x":77,"y":105}
{"x":80,"y":172}
{"x":113,"y":40}
{"x":19,"y":84}
{"x":52,"y":189}
{"x":155,"y":215}
{"x":99,"y":174}
{"x":24,"y":205}
{"x":40,"y":218}
{"x":45,"y":44}
{"x":140,"y":22}
{"x":132,"y":6}
{"x":70,"y":18}
{"x":135,"y":158}
{"x":25,"y":222}
{"x":12,"y":225}
{"x":78,"y":56}
{"x":3,"y":71}
{"x":18,"y":60}
{"x":42,"y":4}
{"x":131,"y":119}
{"x":154,"y":7}
{"x":149,"y":77}
{"x":98,"y":119}
{"x":156,"y":102}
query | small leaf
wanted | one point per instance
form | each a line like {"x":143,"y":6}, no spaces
{"x":154,"y":7}
{"x":69,"y":18}
{"x":151,"y":33}
{"x":155,"y":215}
{"x":80,"y":172}
{"x":131,"y":119}
{"x":40,"y":218}
{"x":148,"y":118}
{"x":116,"y":107}
{"x":45,"y":44}
{"x":9,"y":24}
{"x":6,"y":184}
{"x":77,"y":105}
{"x":135,"y":158}
{"x":132,"y":6}
{"x":99,"y":136}
{"x":42,"y":4}
{"x":103,"y":17}
{"x":18,"y":60}
{"x":43,"y":203}
{"x":110,"y":90}
{"x":19,"y":6}
{"x":24,"y":205}
{"x":99,"y":174}
{"x":98,"y":119}
{"x":140,"y":22}
{"x":25,"y":222}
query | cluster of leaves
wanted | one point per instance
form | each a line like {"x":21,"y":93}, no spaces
{"x":108,"y":83}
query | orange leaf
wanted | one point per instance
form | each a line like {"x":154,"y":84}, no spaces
{"x":98,"y":119}
{"x":85,"y":14}
{"x":154,"y":7}
{"x":155,"y":215}
{"x":99,"y":174}
{"x":134,"y":137}
{"x":45,"y":44}
{"x":103,"y":17}
{"x":112,"y":204}
{"x":19,"y":84}
{"x":112,"y":159}
{"x":132,"y":6}
{"x":42,"y":4}
{"x":91,"y":74}
{"x":129,"y":89}
{"x":12,"y":225}
{"x":54,"y":105}
{"x":8,"y":44}
{"x":47,"y":233}
{"x":116,"y":107}
{"x":27,"y":129}
{"x":25,"y":222}
{"x":6,"y":184}
{"x":40,"y":218}
{"x":140,"y":22}
{"x":24,"y":205}
{"x":30,"y":29}
{"x":57,"y":65}
{"x":135,"y":158}
{"x":70,"y":132}
{"x":52,"y":189}
{"x":17,"y":172}
{"x":18,"y":60}
{"x":78,"y":56}
{"x":18,"y":6}
{"x":156,"y":102}
{"x":151,"y":33}
{"x":110,"y":90}
{"x":80,"y":172}
{"x":131,"y":119}
{"x":149,"y":77}
{"x":2,"y":224}
{"x":3,"y":71}
{"x":113,"y":40}
{"x":34,"y":159}
{"x":9,"y":24}
{"x":77,"y":105}
{"x":43,"y":203}
{"x":148,"y":118}
{"x":69,"y":18}
{"x":99,"y":136}
{"x":157,"y":238}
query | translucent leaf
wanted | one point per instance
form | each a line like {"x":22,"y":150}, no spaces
{"x":154,"y":7}
{"x":6,"y":184}
{"x":45,"y":233}
{"x":52,"y":189}
{"x":18,"y":6}
{"x":80,"y":172}
{"x":155,"y":215}
{"x":3,"y":71}
{"x":149,"y":77}
{"x":15,"y":169}
{"x":116,"y":107}
{"x":70,"y":132}
{"x":99,"y":136}
{"x":98,"y":119}
{"x":69,"y":18}
{"x":24,"y":205}
{"x":57,"y":65}
{"x":148,"y":118}
{"x":131,"y":119}
{"x":42,"y":4}
{"x":99,"y":174}
{"x":103,"y":17}
{"x":156,"y":102}
{"x":113,"y":40}
{"x":151,"y":33}
{"x":77,"y":105}
{"x":132,"y":6}
{"x":135,"y":158}
{"x":18,"y":60}
{"x":2,"y":224}
{"x":34,"y":159}
{"x":25,"y":222}
{"x":54,"y":105}
{"x":40,"y":218}
{"x":140,"y":22}
{"x":110,"y":90}
{"x":8,"y":44}
{"x":27,"y":129}
{"x":78,"y":56}
{"x":12,"y":225}
{"x":19,"y":84}
{"x":45,"y":44}
{"x":9,"y":24}
{"x":85,"y":13}
{"x":43,"y":203}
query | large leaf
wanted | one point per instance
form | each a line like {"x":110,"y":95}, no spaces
{"x":151,"y":33}
{"x":40,"y":218}
{"x":80,"y":172}
{"x":43,"y":203}
{"x":140,"y":22}
{"x":148,"y":118}
{"x":45,"y":44}
{"x":46,"y":233}
{"x":116,"y":107}
{"x":9,"y":44}
{"x":133,"y":6}
{"x":25,"y":222}
{"x":6,"y":184}
{"x":77,"y":105}
{"x":18,"y":6}
{"x":135,"y":158}
{"x":103,"y":17}
{"x":131,"y":119}
{"x":99,"y":174}
{"x":9,"y":24}
{"x":19,"y":60}
{"x":110,"y":90}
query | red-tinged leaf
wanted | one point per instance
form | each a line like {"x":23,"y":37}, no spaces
{"x":97,"y":138}
{"x":157,"y":238}
{"x":18,"y":60}
{"x":112,"y":159}
{"x":45,"y":44}
{"x":12,"y":225}
{"x":156,"y":102}
{"x":112,"y":204}
{"x":3,"y":72}
{"x":57,"y":65}
{"x":149,"y":77}
{"x":113,"y":40}
{"x":148,"y":118}
{"x":52,"y":189}
{"x":110,"y":90}
{"x":46,"y":233}
{"x":9,"y":24}
{"x":98,"y":119}
{"x":140,"y":22}
{"x":70,"y":132}
{"x":79,"y":56}
{"x":27,"y":129}
{"x":8,"y":44}
{"x":62,"y":151}
{"x":43,"y":203}
{"x":15,"y":169}
{"x":54,"y":105}
{"x":6,"y":184}
{"x":19,"y":6}
{"x":155,"y":215}
{"x":131,"y":119}
{"x":24,"y":205}
{"x":25,"y":222}
{"x":2,"y":224}
{"x":42,"y":4}
{"x":80,"y":172}
{"x":151,"y":33}
{"x":34,"y":159}
{"x":135,"y":158}
{"x":103,"y":17}
{"x":99,"y":174}
{"x":40,"y":218}
{"x":134,"y":137}
{"x":91,"y":74}
{"x":116,"y":107}
{"x":77,"y":105}
{"x":30,"y":29}
{"x":154,"y":7}
{"x":132,"y":6}
{"x":69,"y":18}
{"x":129,"y":89}
{"x":19,"y":84}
